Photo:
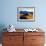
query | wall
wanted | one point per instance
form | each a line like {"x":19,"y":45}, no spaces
{"x":9,"y":13}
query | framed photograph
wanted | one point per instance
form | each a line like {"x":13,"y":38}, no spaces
{"x":25,"y":14}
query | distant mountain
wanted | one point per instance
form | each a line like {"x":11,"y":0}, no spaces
{"x":25,"y":12}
